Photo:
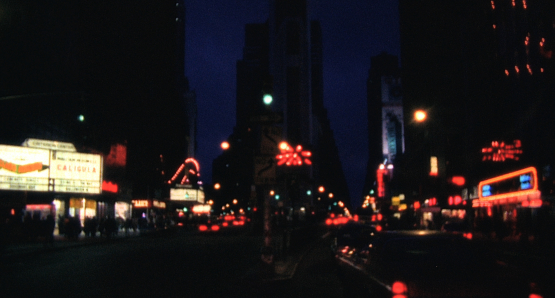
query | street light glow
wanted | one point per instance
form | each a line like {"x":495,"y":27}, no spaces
{"x":420,"y":116}
{"x":225,"y":145}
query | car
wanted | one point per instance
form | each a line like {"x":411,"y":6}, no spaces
{"x":404,"y":264}
{"x":352,"y":241}
{"x":457,"y":227}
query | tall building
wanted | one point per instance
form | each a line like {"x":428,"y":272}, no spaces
{"x":283,"y":57}
{"x":482,"y":71}
{"x":385,"y":117}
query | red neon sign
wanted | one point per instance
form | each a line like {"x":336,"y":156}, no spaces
{"x":192,"y":170}
{"x":458,"y":180}
{"x":293,"y":157}
{"x":381,"y":185}
{"x":499,"y":151}
{"x":490,"y":189}
{"x":109,"y":186}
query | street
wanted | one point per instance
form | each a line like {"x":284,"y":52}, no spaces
{"x":184,"y":264}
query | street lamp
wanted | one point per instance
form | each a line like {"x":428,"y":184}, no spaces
{"x":224,"y":145}
{"x":420,"y":115}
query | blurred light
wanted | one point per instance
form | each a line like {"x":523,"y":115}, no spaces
{"x":321,"y":189}
{"x":458,"y":180}
{"x":202,"y":228}
{"x":433,"y":166}
{"x":215,"y":228}
{"x":81,"y":118}
{"x":217,"y":186}
{"x":267,"y":99}
{"x":420,"y":116}
{"x":225,"y":145}
{"x":399,"y":289}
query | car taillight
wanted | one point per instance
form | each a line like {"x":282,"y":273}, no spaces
{"x":215,"y":228}
{"x":399,"y":290}
{"x":467,"y":235}
{"x":534,"y":291}
{"x":202,"y":228}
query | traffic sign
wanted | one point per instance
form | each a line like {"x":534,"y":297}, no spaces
{"x":264,"y":170}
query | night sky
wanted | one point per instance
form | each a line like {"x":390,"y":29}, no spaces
{"x":353,"y":32}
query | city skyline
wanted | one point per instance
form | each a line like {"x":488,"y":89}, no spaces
{"x":214,"y":44}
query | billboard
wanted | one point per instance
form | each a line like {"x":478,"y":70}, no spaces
{"x":35,"y":169}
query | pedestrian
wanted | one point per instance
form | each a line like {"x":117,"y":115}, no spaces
{"x":49,"y":226}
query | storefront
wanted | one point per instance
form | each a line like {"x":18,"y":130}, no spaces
{"x":50,"y":178}
{"x":509,"y":205}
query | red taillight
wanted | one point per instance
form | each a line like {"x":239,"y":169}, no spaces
{"x":399,"y":289}
{"x":467,"y":236}
{"x":202,"y":228}
{"x":225,"y":224}
{"x":329,"y":221}
{"x":379,"y":228}
{"x":534,"y":289}
{"x":215,"y":228}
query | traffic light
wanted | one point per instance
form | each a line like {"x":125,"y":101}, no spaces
{"x":267,"y":91}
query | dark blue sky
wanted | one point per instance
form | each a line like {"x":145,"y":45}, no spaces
{"x":353,"y":31}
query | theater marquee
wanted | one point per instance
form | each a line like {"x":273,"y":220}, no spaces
{"x":35,"y":169}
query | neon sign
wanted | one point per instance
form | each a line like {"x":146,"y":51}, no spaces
{"x":293,"y":157}
{"x":193,"y":169}
{"x":500,"y":151}
{"x":380,"y":179}
{"x":518,"y":186}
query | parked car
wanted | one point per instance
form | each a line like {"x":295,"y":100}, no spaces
{"x":352,"y":241}
{"x":405,"y":264}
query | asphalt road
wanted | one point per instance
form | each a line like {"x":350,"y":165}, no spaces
{"x":184,"y":264}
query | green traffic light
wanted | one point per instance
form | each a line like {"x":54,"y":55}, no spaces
{"x":267,"y":99}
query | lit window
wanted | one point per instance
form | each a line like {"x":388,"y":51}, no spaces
{"x":506,"y":72}
{"x":517,"y":70}
{"x":524,"y":5}
{"x":492,"y":5}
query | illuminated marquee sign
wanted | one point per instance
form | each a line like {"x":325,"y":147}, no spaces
{"x":35,"y":169}
{"x":187,"y":194}
{"x":49,"y":145}
{"x":500,"y":151}
{"x":24,"y":169}
{"x":142,"y":204}
{"x":513,"y":187}
{"x":76,"y":172}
